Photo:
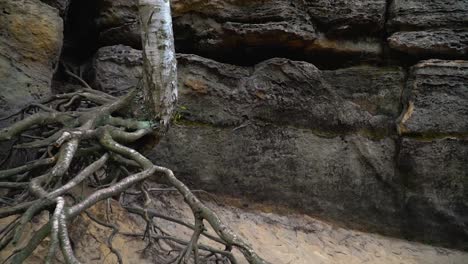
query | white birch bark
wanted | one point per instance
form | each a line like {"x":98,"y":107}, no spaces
{"x":159,"y":61}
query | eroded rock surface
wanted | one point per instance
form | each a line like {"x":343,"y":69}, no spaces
{"x":348,"y":18}
{"x":311,"y":30}
{"x":432,"y":158}
{"x":374,"y":146}
{"x":325,"y":142}
{"x":234,"y":132}
{"x":30,"y":43}
{"x":272,"y":91}
{"x":253,"y":29}
{"x":116,"y":69}
{"x":424,"y":14}
{"x":453,"y":43}
{"x":61,"y":5}
{"x":429,"y":29}
{"x":435,"y":174}
{"x":438,"y":99}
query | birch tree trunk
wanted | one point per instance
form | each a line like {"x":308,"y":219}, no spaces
{"x":159,"y":61}
{"x":62,"y":127}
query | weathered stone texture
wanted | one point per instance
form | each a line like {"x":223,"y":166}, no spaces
{"x":279,"y":131}
{"x":425,"y":14}
{"x":438,"y":100}
{"x":344,"y":17}
{"x":214,"y":28}
{"x":444,"y":42}
{"x":116,"y":69}
{"x":30,"y":43}
{"x":311,"y":29}
{"x":433,"y":153}
{"x":376,"y":89}
{"x":118,"y":23}
{"x":436,"y":177}
{"x":368,"y":146}
{"x":321,"y":141}
{"x":272,"y":91}
{"x":333,"y":177}
{"x":429,"y":29}
{"x":61,"y":5}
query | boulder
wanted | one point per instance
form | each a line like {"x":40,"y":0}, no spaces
{"x":437,"y":100}
{"x":115,"y":69}
{"x":30,"y":44}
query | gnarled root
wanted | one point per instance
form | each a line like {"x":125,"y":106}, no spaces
{"x":79,"y":135}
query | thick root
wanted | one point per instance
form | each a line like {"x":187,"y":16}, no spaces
{"x":74,"y":144}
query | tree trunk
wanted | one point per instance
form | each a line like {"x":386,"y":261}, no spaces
{"x":159,"y":61}
{"x":64,"y":133}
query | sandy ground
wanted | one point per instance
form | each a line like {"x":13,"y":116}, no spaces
{"x":300,"y":239}
{"x":281,"y":239}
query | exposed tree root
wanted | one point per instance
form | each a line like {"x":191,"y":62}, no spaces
{"x":115,"y":230}
{"x":80,"y":135}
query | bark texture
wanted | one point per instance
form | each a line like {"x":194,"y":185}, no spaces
{"x":159,"y":62}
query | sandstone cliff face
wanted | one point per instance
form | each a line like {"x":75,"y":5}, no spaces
{"x":305,"y":29}
{"x":31,"y":36}
{"x":334,"y":143}
{"x":429,"y":28}
{"x":380,"y":146}
{"x":361,"y":118}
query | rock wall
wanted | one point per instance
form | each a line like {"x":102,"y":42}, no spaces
{"x":354,"y":111}
{"x":375,"y":139}
{"x":31,"y":36}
